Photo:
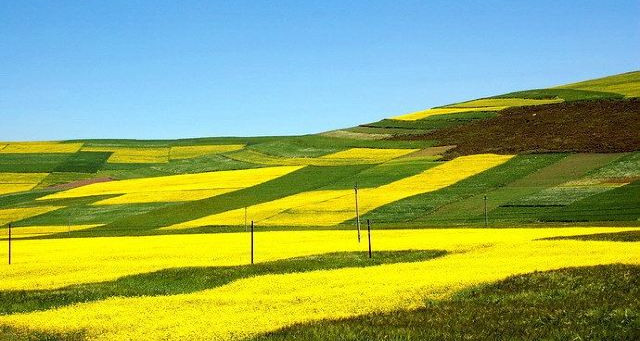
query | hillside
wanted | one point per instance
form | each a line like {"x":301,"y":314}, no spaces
{"x":568,"y":154}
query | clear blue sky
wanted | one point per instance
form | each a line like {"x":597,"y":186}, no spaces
{"x":168,"y":69}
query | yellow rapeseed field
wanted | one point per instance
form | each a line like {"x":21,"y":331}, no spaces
{"x":40,"y":147}
{"x":22,"y":178}
{"x":331,"y":207}
{"x":18,"y":182}
{"x":487,"y":104}
{"x":371,"y":154}
{"x":442,"y":111}
{"x":504,"y":102}
{"x":264,"y":303}
{"x":182,"y":187}
{"x":188,"y":152}
{"x":133,"y":155}
{"x":14,"y":188}
{"x":33,"y":231}
{"x":9,"y":215}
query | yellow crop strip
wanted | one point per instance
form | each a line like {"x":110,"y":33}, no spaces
{"x":35,"y":231}
{"x":331,"y":207}
{"x":164,"y":196}
{"x":372,"y":154}
{"x":9,"y":215}
{"x":442,"y":111}
{"x":18,"y":182}
{"x":133,"y":155}
{"x":40,"y":147}
{"x":176,"y":187}
{"x":14,"y":188}
{"x":188,"y":152}
{"x":246,"y":307}
{"x":487,"y":104}
{"x":627,"y":84}
{"x":22,"y":178}
{"x":504,"y":102}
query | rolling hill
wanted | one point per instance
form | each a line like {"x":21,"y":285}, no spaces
{"x":568,"y":154}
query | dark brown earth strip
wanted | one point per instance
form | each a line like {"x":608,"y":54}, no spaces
{"x":604,"y":126}
{"x":80,"y":183}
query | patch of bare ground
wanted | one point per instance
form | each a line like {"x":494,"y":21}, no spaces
{"x":604,"y":126}
{"x":80,"y":183}
{"x":431,"y":151}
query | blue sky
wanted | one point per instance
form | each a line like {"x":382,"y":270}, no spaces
{"x":170,"y":69}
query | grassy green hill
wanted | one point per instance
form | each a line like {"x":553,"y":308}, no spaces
{"x":575,"y":148}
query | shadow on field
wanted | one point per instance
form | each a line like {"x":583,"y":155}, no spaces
{"x":588,"y":303}
{"x":624,"y":236}
{"x":192,"y":279}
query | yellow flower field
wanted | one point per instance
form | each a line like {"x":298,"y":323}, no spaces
{"x":182,"y":187}
{"x":18,"y":182}
{"x":188,"y":152}
{"x":14,"y":188}
{"x":370,"y":154}
{"x":331,"y":207}
{"x":264,"y":303}
{"x":9,"y":215}
{"x":418,"y":115}
{"x":487,"y":104}
{"x":40,"y":147}
{"x":34,"y":231}
{"x":133,"y":155}
{"x":22,"y":178}
{"x":503,"y":102}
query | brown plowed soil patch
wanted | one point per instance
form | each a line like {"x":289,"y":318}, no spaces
{"x":604,"y":126}
{"x":79,"y":183}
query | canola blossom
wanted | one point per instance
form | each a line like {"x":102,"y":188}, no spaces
{"x":9,"y":215}
{"x":133,"y":155}
{"x":418,"y":115}
{"x":175,"y":187}
{"x":14,"y":188}
{"x":331,"y":207}
{"x":40,"y":147}
{"x":35,"y":231}
{"x":486,"y":104}
{"x":18,"y":182}
{"x":54,"y":263}
{"x":164,"y":196}
{"x":504,"y":102}
{"x":188,"y":152}
{"x":373,"y":154}
{"x":246,"y":307}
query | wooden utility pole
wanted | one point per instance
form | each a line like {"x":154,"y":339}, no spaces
{"x":369,"y":235}
{"x":486,"y":218}
{"x":355,"y":188}
{"x":9,"y":243}
{"x":252,"y":242}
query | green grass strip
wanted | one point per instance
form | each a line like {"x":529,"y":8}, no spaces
{"x":590,"y":303}
{"x":569,"y":95}
{"x":624,"y":236}
{"x":421,"y":208}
